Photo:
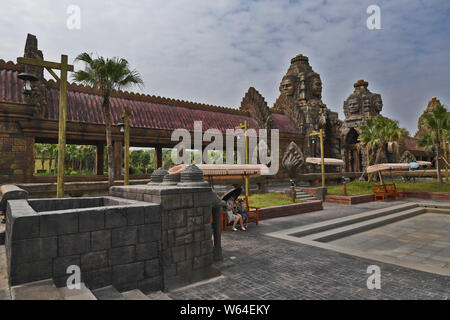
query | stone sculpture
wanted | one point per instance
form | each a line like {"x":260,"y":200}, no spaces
{"x":292,"y":159}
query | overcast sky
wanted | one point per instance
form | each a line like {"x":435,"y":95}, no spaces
{"x":213,"y":51}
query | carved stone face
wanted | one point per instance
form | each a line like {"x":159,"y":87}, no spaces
{"x":366,"y":103}
{"x":378,"y":104}
{"x":353,"y":106}
{"x":287,"y":87}
{"x":316,"y":87}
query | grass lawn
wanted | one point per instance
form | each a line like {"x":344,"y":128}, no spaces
{"x":262,"y":200}
{"x":355,"y":188}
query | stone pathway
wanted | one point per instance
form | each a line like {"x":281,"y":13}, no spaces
{"x":257,"y":266}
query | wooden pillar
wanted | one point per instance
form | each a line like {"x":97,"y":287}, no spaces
{"x":158,"y":157}
{"x":118,"y":144}
{"x":99,"y":159}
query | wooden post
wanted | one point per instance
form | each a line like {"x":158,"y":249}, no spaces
{"x":293,"y":194}
{"x":345,"y":188}
{"x":322,"y":156}
{"x":126,"y":120}
{"x":117,"y":151}
{"x":158,"y":157}
{"x":99,"y":158}
{"x":64,"y":67}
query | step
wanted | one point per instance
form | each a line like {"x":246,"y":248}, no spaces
{"x":38,"y":290}
{"x":308,"y":199}
{"x":135,"y":294}
{"x":303,"y":196}
{"x":158,"y":295}
{"x":108,"y":293}
{"x":77,"y":294}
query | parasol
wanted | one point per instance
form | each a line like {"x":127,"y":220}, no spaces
{"x":235,"y":193}
{"x":326,"y":161}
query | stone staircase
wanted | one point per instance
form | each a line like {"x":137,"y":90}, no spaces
{"x":302,"y":195}
{"x":47,"y":290}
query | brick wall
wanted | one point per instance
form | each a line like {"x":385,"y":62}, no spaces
{"x":17,"y":154}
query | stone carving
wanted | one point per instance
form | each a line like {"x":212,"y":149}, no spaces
{"x":254,"y":103}
{"x":430,"y":107}
{"x":171,"y":179}
{"x":292,"y":159}
{"x":361,"y":105}
{"x":407,"y":157}
{"x":158,"y":176}
{"x":192,"y":176}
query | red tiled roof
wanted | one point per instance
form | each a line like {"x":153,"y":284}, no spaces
{"x":411,"y":144}
{"x":84,"y":104}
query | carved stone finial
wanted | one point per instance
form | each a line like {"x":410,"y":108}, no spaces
{"x":192,"y":176}
{"x":158,"y":176}
{"x":171,"y":179}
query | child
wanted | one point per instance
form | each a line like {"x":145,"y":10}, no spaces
{"x":242,"y":212}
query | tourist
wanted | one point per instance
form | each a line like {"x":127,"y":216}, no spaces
{"x":242,"y":212}
{"x":233,"y":215}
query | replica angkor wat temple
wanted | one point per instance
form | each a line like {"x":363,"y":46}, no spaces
{"x":298,"y":111}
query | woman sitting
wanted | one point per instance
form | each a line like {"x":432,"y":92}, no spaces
{"x":233,"y":215}
{"x":242,"y":212}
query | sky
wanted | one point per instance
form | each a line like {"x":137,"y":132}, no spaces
{"x":213,"y":51}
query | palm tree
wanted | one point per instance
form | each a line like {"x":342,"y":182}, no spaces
{"x":437,"y":125}
{"x":107,"y":75}
{"x":368,"y":137}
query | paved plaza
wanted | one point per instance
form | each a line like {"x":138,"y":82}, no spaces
{"x":257,"y":266}
{"x":423,"y":239}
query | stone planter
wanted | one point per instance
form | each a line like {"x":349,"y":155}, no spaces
{"x":349,"y":200}
{"x":289,"y":209}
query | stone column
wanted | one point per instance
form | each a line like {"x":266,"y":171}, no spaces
{"x":99,"y":159}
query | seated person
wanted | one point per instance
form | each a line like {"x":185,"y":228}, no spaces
{"x":233,"y":215}
{"x":242,"y":212}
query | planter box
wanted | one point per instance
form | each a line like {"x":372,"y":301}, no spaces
{"x":289,"y":209}
{"x":349,"y":200}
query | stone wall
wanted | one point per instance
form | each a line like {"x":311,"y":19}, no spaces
{"x":17,"y":155}
{"x":186,"y":243}
{"x":113,"y":241}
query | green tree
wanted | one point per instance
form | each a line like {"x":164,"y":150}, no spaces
{"x":107,"y":75}
{"x":437,"y":124}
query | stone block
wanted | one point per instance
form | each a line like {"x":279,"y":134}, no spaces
{"x":149,"y":232}
{"x":193,"y":250}
{"x":152,"y":268}
{"x":91,"y":220}
{"x":56,"y":223}
{"x":204,"y":198}
{"x":100,"y":240}
{"x":72,"y":244}
{"x":171,"y":202}
{"x":150,"y":284}
{"x":25,"y":227}
{"x":135,"y":215}
{"x":127,"y":274}
{"x":187,"y":200}
{"x":199,"y":235}
{"x":29,"y":272}
{"x":206,"y":247}
{"x":183,"y":240}
{"x":207,"y":214}
{"x":146,"y":251}
{"x":203,"y":261}
{"x":180,"y":231}
{"x":29,"y":250}
{"x":184,"y":267}
{"x":152,"y":214}
{"x":94,"y":260}
{"x":195,"y":223}
{"x":124,"y":236}
{"x":60,"y":265}
{"x":121,"y":255}
{"x":177,"y":219}
{"x":115,"y":218}
{"x":97,"y":278}
{"x":178,"y":253}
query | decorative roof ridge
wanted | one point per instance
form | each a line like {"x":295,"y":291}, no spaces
{"x":150,"y":98}
{"x":10,"y":65}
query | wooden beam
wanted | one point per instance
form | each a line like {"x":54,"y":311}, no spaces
{"x":44,"y":64}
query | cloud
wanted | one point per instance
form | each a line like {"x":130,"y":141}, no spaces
{"x":212,"y":51}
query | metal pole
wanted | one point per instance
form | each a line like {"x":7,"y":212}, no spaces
{"x":62,"y":126}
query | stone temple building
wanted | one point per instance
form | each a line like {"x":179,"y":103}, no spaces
{"x":297,"y":112}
